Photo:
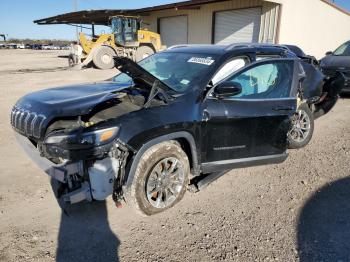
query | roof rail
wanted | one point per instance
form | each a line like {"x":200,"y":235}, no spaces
{"x":232,"y":46}
{"x":176,"y":46}
{"x":245,"y":45}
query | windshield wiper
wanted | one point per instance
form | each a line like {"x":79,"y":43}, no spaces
{"x":156,"y":90}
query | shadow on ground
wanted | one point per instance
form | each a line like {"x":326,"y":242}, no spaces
{"x":85,"y":235}
{"x":345,"y":96}
{"x":324,"y":224}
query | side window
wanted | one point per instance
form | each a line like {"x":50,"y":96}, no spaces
{"x":343,"y":50}
{"x":268,"y":80}
{"x":229,"y":68}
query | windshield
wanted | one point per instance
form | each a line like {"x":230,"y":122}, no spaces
{"x":343,"y":50}
{"x":116,"y":25}
{"x":177,"y":70}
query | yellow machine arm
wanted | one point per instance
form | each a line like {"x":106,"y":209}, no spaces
{"x":148,"y":37}
{"x":103,"y":39}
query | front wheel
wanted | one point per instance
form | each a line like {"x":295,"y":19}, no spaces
{"x":302,"y":128}
{"x":143,"y":52}
{"x":160,"y":179}
{"x":104,"y":57}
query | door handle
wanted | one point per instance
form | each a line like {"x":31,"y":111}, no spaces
{"x":283,"y":108}
{"x":206,"y":115}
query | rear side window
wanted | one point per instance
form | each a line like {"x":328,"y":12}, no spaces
{"x":229,"y":68}
{"x":343,"y":50}
{"x":268,"y":80}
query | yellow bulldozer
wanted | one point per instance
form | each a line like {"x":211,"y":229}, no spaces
{"x":127,"y":38}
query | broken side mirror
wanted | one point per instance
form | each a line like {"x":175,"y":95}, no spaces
{"x":329,"y":53}
{"x":226,"y":89}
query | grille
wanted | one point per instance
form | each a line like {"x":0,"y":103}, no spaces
{"x":27,"y":123}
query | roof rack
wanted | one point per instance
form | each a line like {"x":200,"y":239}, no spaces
{"x":245,"y":45}
{"x":176,"y":46}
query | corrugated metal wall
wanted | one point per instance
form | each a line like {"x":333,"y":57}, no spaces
{"x":200,"y":21}
{"x":269,"y":20}
{"x":237,"y":26}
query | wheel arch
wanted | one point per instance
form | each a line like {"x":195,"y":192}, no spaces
{"x":185,"y":139}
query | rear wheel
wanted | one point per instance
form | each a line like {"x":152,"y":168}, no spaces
{"x":302,"y":128}
{"x":143,"y":52}
{"x":160,"y":179}
{"x":103,"y":57}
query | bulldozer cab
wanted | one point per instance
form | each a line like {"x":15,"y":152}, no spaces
{"x":125,"y":30}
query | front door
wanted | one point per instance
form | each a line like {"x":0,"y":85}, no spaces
{"x":254,"y":123}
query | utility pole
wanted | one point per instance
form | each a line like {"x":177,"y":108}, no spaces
{"x":75,"y":7}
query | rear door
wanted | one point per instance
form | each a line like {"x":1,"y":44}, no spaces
{"x":255,"y":123}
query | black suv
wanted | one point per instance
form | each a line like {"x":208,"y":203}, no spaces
{"x":177,"y":118}
{"x":338,"y":62}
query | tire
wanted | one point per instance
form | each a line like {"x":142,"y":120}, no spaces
{"x":142,"y":52}
{"x":302,"y":128}
{"x":147,"y":188}
{"x":103,"y":58}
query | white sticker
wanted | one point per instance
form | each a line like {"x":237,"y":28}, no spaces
{"x":200,"y":60}
{"x":184,"y":81}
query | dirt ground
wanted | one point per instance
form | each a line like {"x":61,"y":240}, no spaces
{"x":295,"y":211}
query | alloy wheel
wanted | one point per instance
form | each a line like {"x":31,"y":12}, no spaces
{"x":165,"y":182}
{"x":301,"y":125}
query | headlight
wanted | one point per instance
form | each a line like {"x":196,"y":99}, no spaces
{"x":94,"y":138}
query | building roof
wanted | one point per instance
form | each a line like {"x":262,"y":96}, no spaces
{"x":336,"y":6}
{"x":97,"y":17}
{"x":101,"y":17}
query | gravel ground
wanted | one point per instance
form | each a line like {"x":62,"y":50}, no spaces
{"x":295,"y":211}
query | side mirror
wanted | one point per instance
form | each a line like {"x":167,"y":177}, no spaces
{"x":329,"y":53}
{"x":226,"y":89}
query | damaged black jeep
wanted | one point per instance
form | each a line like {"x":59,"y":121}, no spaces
{"x":177,"y":118}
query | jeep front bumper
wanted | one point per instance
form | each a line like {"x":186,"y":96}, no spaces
{"x":81,"y":181}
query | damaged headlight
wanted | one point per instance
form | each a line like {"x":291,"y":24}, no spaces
{"x":93,"y":138}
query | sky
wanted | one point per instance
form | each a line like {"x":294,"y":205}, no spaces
{"x":17,"y":16}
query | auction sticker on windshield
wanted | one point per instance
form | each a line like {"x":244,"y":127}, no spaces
{"x":200,"y":60}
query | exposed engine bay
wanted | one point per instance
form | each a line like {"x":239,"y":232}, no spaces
{"x":123,"y":103}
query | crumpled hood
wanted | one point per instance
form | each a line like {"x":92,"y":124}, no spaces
{"x":33,"y":113}
{"x":336,"y":62}
{"x":69,"y":100}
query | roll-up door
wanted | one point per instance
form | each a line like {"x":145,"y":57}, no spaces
{"x":237,"y":26}
{"x":173,"y":30}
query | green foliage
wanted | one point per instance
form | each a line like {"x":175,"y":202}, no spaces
{"x":39,"y":41}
